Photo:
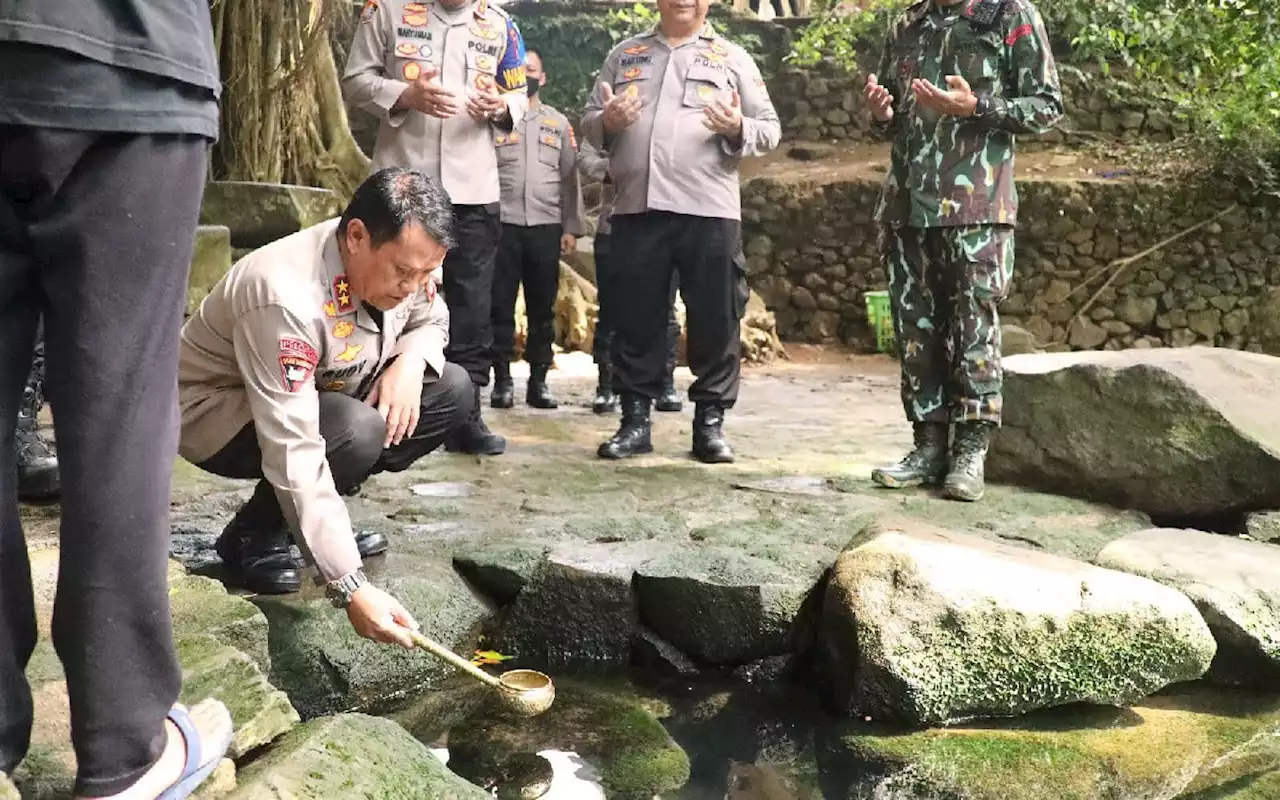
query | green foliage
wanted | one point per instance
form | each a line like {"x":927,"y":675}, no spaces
{"x":1217,"y":60}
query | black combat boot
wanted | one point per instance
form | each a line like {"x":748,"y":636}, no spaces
{"x":473,"y":437}
{"x":632,"y":437}
{"x":967,"y":480}
{"x":670,"y":400}
{"x":537,"y":394}
{"x":255,"y":553}
{"x":709,"y":445}
{"x":504,"y":391}
{"x":924,"y":465}
{"x":38,"y":480}
{"x":606,"y":401}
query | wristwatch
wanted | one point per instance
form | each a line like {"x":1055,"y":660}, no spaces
{"x":340,"y":591}
{"x":983,"y":106}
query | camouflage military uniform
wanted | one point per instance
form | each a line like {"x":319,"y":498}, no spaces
{"x":949,"y":204}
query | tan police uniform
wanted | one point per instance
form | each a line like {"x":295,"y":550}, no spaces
{"x":280,"y":327}
{"x":677,"y":205}
{"x":472,"y":47}
{"x":541,"y":201}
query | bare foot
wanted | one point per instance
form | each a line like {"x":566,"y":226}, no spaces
{"x":212,"y":721}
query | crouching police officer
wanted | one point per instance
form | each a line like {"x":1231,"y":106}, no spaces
{"x":316,"y":362}
{"x":594,"y":164}
{"x":541,"y":218}
{"x":677,"y":209}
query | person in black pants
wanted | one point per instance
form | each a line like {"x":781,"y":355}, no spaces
{"x":594,"y":164}
{"x":95,"y":116}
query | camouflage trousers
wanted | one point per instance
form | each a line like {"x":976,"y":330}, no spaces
{"x":944,"y":286}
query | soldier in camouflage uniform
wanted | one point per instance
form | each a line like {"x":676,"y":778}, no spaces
{"x":960,"y":79}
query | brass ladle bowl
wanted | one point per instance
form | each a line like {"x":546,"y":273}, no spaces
{"x":524,"y":691}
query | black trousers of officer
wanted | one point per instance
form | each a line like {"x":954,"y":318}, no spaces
{"x":88,"y":242}
{"x":353,"y":433}
{"x":468,"y":288}
{"x":528,"y":255}
{"x":606,"y":289}
{"x":705,"y":253}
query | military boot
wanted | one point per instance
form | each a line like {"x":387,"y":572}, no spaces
{"x":537,"y":394}
{"x":709,"y":445}
{"x":255,"y":549}
{"x":504,"y":391}
{"x":632,"y":437}
{"x":606,"y":401}
{"x":473,"y":437}
{"x":967,"y":479}
{"x":38,"y":480}
{"x":924,"y":465}
{"x":670,"y":400}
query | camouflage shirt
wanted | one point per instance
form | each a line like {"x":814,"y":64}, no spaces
{"x":949,"y":170}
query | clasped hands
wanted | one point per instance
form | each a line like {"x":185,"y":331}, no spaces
{"x":620,"y":110}
{"x":958,"y":101}
{"x":425,"y":94}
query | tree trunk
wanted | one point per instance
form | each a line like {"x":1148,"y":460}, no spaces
{"x":283,"y":119}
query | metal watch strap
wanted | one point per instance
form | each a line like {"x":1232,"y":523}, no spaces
{"x":983,"y":107}
{"x":340,"y":591}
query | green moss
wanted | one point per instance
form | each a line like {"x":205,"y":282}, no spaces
{"x":607,"y":724}
{"x":1192,"y":741}
{"x":202,"y":606}
{"x":45,"y":774}
{"x":44,"y":665}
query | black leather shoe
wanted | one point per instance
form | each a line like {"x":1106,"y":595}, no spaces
{"x":633,"y":436}
{"x":669,"y":400}
{"x":371,"y":543}
{"x":709,"y":445}
{"x":504,"y":391}
{"x":473,"y":437}
{"x":259,"y":561}
{"x":537,"y":394}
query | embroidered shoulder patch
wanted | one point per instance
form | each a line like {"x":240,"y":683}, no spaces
{"x":298,"y":360}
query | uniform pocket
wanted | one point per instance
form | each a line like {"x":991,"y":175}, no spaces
{"x":508,"y":146}
{"x":549,"y":144}
{"x":986,"y":254}
{"x":704,"y":85}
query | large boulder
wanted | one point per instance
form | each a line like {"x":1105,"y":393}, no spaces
{"x":1234,"y":582}
{"x":925,"y":626}
{"x":1190,"y":741}
{"x":609,"y":726}
{"x":351,"y":756}
{"x":1178,"y":432}
{"x":260,"y":213}
{"x":317,"y":657}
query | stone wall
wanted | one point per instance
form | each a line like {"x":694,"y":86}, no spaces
{"x":825,"y":104}
{"x":812,"y":253}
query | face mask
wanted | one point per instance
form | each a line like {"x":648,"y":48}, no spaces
{"x":534,"y":84}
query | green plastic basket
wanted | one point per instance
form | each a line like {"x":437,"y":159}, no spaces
{"x":880,"y":320}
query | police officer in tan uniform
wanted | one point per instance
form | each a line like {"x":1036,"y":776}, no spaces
{"x":316,"y":362}
{"x":677,"y":208}
{"x":541,"y":218}
{"x":594,"y":164}
{"x":443,"y":78}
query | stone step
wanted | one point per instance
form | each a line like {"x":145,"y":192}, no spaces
{"x":260,"y":213}
{"x":210,"y":260}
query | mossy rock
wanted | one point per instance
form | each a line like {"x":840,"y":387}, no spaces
{"x":326,"y":667}
{"x":259,"y":711}
{"x":210,"y":260}
{"x":202,"y":606}
{"x":499,"y":569}
{"x":1180,"y":432}
{"x":923,"y":626}
{"x":1233,"y":582}
{"x":1192,"y":742}
{"x":260,"y":213}
{"x":611,"y":727}
{"x":355,"y":757}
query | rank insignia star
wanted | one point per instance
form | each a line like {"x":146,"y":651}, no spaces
{"x":349,"y":353}
{"x":342,"y":295}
